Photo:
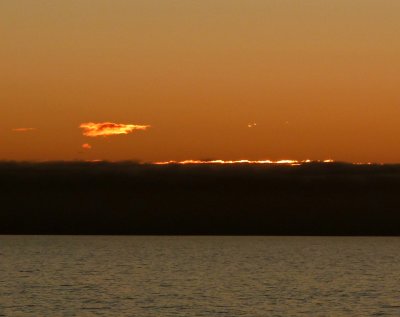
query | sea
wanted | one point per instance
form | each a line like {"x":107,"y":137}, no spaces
{"x":148,"y":276}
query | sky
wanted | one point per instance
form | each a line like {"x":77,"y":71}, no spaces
{"x":209,"y":79}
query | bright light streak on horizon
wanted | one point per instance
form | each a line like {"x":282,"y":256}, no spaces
{"x":283,"y":162}
{"x":232,"y":162}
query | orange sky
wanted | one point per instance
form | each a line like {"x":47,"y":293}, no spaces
{"x":319,"y":78}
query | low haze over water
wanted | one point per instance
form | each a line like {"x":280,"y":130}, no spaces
{"x":199,"y":276}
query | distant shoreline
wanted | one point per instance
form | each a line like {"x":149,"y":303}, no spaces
{"x":127,"y":198}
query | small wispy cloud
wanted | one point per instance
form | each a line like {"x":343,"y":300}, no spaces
{"x":92,"y":129}
{"x":23,"y":129}
{"x":252,"y":125}
{"x":86,"y":146}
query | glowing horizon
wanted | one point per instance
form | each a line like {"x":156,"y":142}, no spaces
{"x":244,"y":161}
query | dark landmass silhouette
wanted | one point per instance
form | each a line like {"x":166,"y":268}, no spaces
{"x":240,"y":199}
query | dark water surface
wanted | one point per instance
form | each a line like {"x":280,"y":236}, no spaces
{"x":199,"y":276}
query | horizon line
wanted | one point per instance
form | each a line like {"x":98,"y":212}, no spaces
{"x":285,"y":162}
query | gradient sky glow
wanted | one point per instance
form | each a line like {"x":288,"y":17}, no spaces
{"x":319,"y":78}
